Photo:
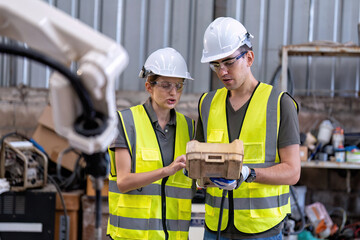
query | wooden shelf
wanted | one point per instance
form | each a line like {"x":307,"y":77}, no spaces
{"x":332,"y":165}
{"x":313,"y":49}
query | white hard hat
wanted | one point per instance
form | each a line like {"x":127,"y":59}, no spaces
{"x":223,"y":37}
{"x":165,"y":62}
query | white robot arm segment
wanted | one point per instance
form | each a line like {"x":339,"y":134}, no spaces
{"x":100,"y":60}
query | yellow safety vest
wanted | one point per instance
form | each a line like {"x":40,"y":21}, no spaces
{"x":161,"y":210}
{"x":257,"y":207}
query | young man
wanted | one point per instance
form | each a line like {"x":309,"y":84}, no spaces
{"x":265,"y":120}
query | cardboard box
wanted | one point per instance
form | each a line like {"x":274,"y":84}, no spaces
{"x":53,"y":143}
{"x":72,"y":203}
{"x":90,"y":189}
{"x":88,"y":225}
{"x":303,"y":153}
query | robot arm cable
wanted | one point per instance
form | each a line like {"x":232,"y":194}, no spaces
{"x":74,"y":79}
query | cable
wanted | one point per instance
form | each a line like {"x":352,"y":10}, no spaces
{"x":302,"y":215}
{"x":42,"y":171}
{"x":300,"y":211}
{"x":74,"y":79}
{"x":274,"y":79}
{"x":62,"y":203}
{"x":220,"y":214}
{"x":90,"y":122}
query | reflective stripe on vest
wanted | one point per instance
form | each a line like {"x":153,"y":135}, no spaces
{"x":137,"y":214}
{"x":260,"y":206}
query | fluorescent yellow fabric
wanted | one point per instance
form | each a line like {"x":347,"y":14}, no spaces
{"x":147,"y":207}
{"x":247,"y":218}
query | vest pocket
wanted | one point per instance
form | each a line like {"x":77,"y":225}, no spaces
{"x":264,"y":201}
{"x":149,"y":154}
{"x":254,"y":152}
{"x":184,"y":206}
{"x":216,"y":135}
{"x":179,"y":179}
{"x":133,"y":213}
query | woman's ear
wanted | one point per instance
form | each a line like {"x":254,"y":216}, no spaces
{"x":250,"y":58}
{"x":148,"y":87}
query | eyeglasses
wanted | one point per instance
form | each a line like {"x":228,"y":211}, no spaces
{"x":215,"y":66}
{"x":168,"y":86}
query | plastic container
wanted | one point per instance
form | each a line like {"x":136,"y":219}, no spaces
{"x":340,"y":154}
{"x":325,"y":132}
{"x":338,"y":137}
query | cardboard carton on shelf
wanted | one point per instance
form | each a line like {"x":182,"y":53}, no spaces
{"x":90,"y":191}
{"x":72,"y":202}
{"x":88,"y":211}
{"x":303,"y":153}
{"x":53,"y":143}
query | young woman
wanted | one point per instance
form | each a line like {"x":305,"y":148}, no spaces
{"x":149,"y":196}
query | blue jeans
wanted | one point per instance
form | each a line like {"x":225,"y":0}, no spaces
{"x":211,"y":236}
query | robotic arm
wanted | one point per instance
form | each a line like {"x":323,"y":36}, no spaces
{"x":84,"y":109}
{"x":100,"y":61}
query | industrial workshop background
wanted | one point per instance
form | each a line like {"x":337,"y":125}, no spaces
{"x":326,"y":87}
{"x":142,"y":26}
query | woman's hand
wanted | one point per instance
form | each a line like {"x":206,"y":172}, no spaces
{"x":178,"y":164}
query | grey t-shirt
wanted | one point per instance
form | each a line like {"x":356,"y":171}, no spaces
{"x":288,"y":135}
{"x":166,"y":137}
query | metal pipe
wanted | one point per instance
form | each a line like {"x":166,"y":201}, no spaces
{"x":118,"y":34}
{"x":335,"y":33}
{"x":310,"y":39}
{"x":96,"y":21}
{"x":167,"y":23}
{"x":238,"y":10}
{"x":286,"y":22}
{"x":262,"y":37}
{"x":119,"y":21}
{"x":74,"y":8}
{"x":5,"y":68}
{"x":47,"y":69}
{"x":143,"y":34}
{"x":191,"y":39}
{"x":357,"y":78}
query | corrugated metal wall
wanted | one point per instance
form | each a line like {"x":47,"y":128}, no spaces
{"x":143,"y":26}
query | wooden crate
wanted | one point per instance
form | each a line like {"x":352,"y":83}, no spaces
{"x":90,"y":191}
{"x":72,"y":203}
{"x":206,"y":160}
{"x":88,"y":211}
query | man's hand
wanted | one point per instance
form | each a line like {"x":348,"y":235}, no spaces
{"x":226,"y":184}
{"x":231,"y":184}
{"x":245,"y":171}
{"x":185,"y":172}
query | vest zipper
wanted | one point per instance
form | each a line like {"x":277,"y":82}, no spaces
{"x":163,"y":207}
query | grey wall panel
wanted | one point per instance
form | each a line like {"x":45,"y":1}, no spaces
{"x":143,"y":26}
{"x":180,"y":37}
{"x":86,"y":12}
{"x":132,"y":37}
{"x":201,"y":72}
{"x":299,"y":33}
{"x":109,"y":18}
{"x":252,"y":23}
{"x":157,"y":20}
{"x":275,"y":35}
{"x":37,"y":76}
